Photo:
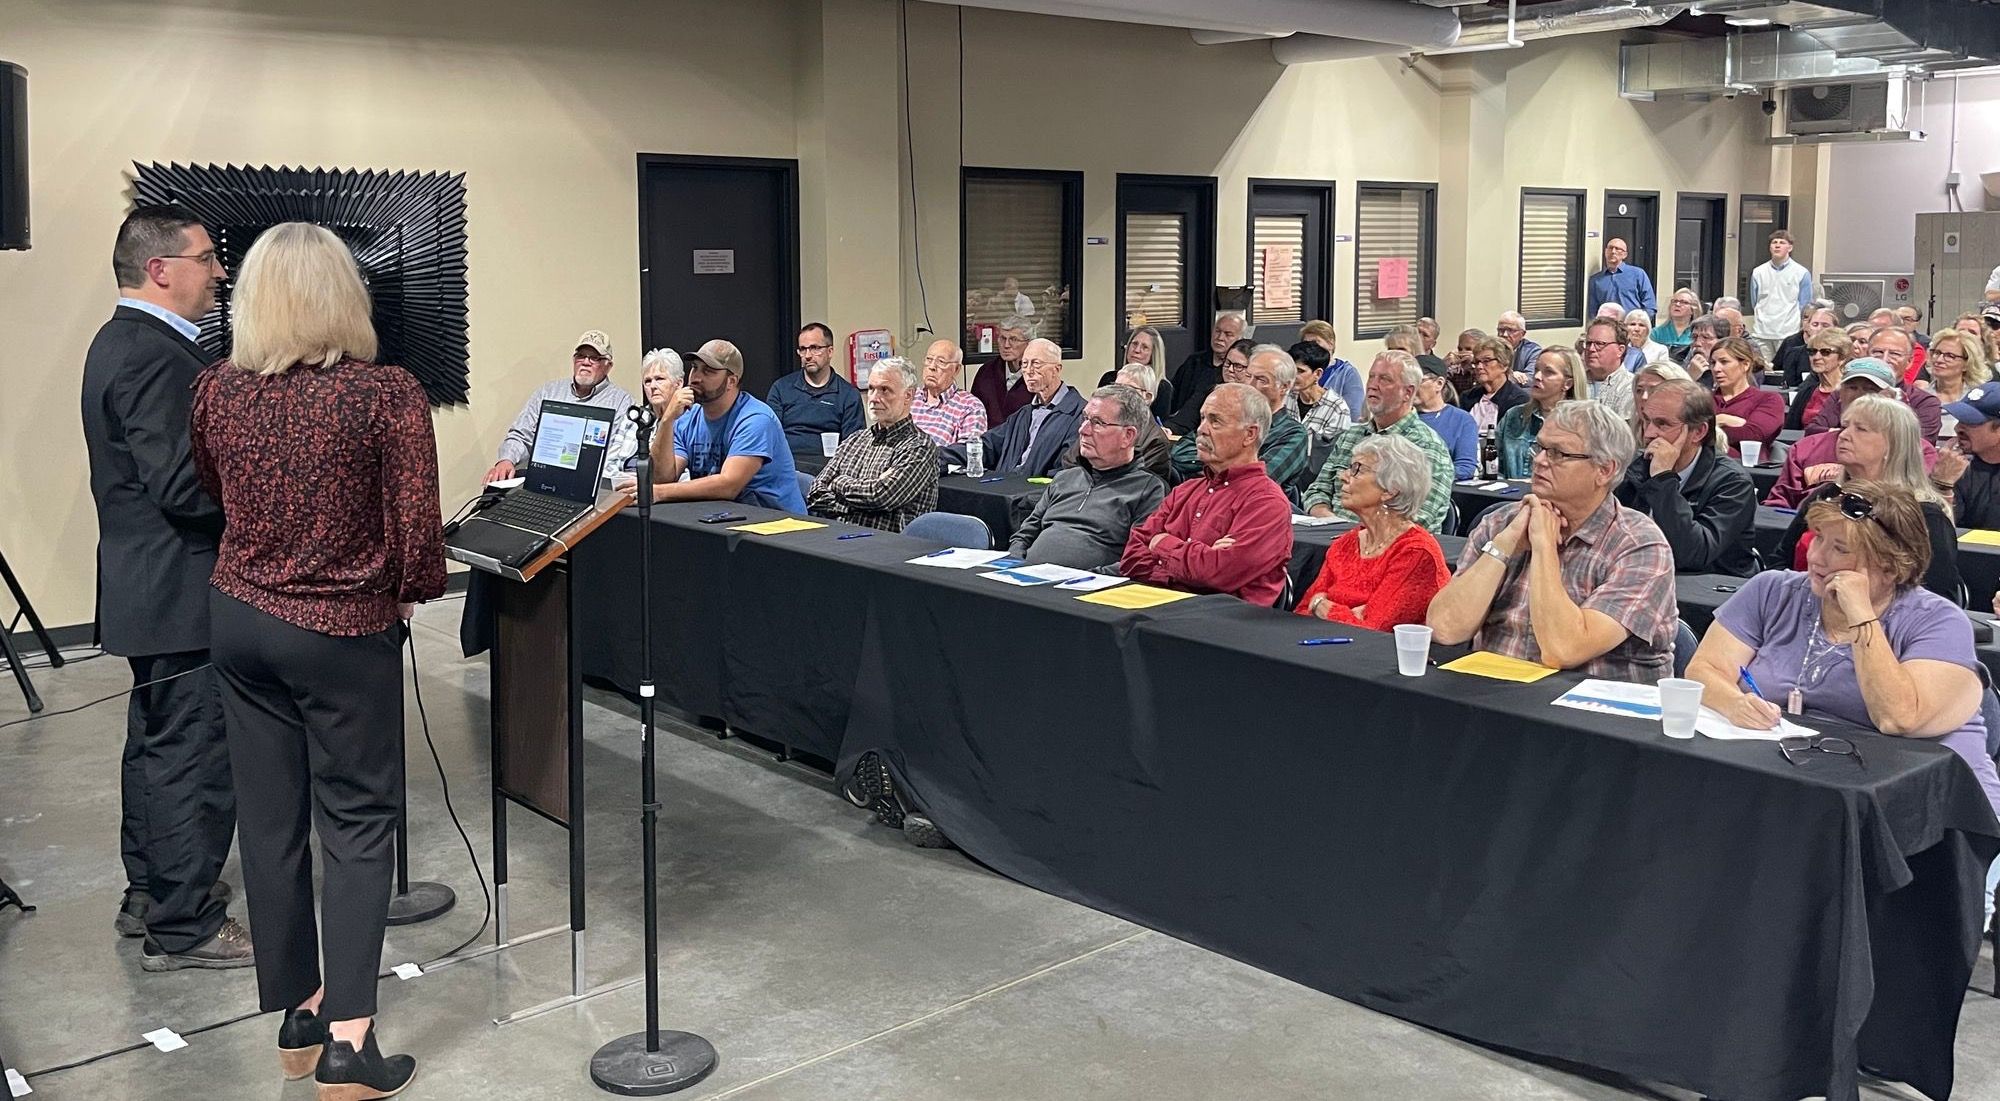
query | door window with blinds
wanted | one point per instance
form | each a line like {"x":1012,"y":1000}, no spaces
{"x":1395,"y":239}
{"x":1551,"y":257}
{"x":1022,"y":240}
{"x":1155,"y":264}
{"x":1278,"y":263}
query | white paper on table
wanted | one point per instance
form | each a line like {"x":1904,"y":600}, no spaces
{"x":1090,"y":583}
{"x":958,"y":558}
{"x":1715,"y":726}
{"x":1610,"y":697}
{"x":1043,"y":574}
{"x":1301,"y":520}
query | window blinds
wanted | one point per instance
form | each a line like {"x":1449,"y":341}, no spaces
{"x":1286,"y":232}
{"x":1389,"y":224}
{"x":1550,"y":227}
{"x":1155,"y":257}
{"x":1014,"y":229}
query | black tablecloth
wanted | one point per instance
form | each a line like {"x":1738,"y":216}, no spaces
{"x":1447,"y":849}
{"x":1002,"y":502}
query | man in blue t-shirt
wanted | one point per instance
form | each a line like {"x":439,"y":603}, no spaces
{"x":732,"y":447}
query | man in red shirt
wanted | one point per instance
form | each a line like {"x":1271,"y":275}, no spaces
{"x":1230,"y":530}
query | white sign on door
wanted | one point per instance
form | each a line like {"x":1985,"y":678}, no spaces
{"x":715,"y":261}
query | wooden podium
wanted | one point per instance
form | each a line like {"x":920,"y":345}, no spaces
{"x":537,"y":729}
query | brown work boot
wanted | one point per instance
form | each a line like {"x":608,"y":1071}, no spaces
{"x":228,"y":948}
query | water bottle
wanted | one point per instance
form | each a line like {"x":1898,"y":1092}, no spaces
{"x":975,"y":458}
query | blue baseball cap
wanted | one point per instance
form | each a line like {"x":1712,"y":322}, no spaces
{"x":1980,"y":404}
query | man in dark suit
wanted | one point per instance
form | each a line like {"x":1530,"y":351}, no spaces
{"x":1031,"y":441}
{"x":156,"y":543}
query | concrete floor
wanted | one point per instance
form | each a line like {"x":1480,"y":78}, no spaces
{"x":822,"y":955}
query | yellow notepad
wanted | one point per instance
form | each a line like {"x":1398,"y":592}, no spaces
{"x":1480,"y":663}
{"x":1982,"y":537}
{"x":1134,"y":596}
{"x":778,"y":527}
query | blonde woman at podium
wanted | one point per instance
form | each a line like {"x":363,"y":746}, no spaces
{"x":326,"y":468}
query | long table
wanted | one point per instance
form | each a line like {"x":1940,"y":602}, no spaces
{"x":1447,"y":849}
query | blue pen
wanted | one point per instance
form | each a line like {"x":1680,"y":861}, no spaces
{"x":995,"y":478}
{"x":1323,"y":641}
{"x":857,"y":535}
{"x":1743,"y":671}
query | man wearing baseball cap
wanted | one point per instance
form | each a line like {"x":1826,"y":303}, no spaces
{"x":589,"y":383}
{"x":1811,"y":460}
{"x":1968,"y":468}
{"x":731,"y":448}
{"x":1888,"y":355}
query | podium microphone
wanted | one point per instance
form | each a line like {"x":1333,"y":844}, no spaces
{"x":653,"y":1062}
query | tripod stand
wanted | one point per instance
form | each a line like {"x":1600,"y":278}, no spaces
{"x":645,"y":1064}
{"x":7,"y":648}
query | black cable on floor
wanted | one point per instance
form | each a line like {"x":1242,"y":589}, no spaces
{"x":103,"y":699}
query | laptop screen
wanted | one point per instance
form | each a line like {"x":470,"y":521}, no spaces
{"x":570,"y":441}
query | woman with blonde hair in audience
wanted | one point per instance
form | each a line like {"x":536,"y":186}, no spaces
{"x":1385,"y":571}
{"x":1639,"y":334}
{"x":1879,"y":441}
{"x":1145,"y":346}
{"x":1827,"y":352}
{"x":1852,"y":635}
{"x":1957,"y":363}
{"x":1559,"y":377}
{"x":1744,"y":409}
{"x":1682,"y":309}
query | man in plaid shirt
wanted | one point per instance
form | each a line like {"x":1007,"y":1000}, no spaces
{"x":885,"y":475}
{"x":1568,"y":577}
{"x":946,"y":413}
{"x":1391,"y":408}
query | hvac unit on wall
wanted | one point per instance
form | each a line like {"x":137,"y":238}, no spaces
{"x":1849,"y":108}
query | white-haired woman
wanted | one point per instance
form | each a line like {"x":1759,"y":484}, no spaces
{"x":1639,"y":334}
{"x":323,"y":561}
{"x":1674,"y":329}
{"x":1881,"y":442}
{"x":1385,"y":571}
{"x":661,"y":375}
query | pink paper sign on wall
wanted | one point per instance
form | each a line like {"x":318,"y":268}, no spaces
{"x":1392,"y":277}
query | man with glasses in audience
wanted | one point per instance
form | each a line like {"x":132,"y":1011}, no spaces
{"x":589,"y":383}
{"x":1701,"y":500}
{"x":1892,"y":346}
{"x":814,"y":400}
{"x":1968,"y":468}
{"x":1567,"y":577}
{"x":1513,"y":328}
{"x":887,"y":475}
{"x":1201,"y":371}
{"x":1604,"y":355}
{"x":1284,"y":445}
{"x":1153,"y":449}
{"x":1230,"y":530}
{"x":1031,"y":442}
{"x":1391,"y":407}
{"x":1631,"y":288}
{"x":946,"y":413}
{"x":732,"y":447}
{"x":998,"y":384}
{"x":1090,"y":508}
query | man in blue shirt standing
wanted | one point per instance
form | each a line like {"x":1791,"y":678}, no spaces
{"x":731,"y":448}
{"x":1616,"y":282}
{"x":813,"y":399}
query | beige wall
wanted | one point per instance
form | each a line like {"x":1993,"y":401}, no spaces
{"x":544,"y":108}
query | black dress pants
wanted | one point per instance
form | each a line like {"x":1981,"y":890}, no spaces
{"x":315,"y":741}
{"x":179,"y":808}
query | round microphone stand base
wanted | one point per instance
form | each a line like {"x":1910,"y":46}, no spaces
{"x":422,"y":902}
{"x":625,"y":1067}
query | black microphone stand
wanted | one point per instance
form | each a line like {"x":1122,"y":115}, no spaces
{"x":644,"y":1064}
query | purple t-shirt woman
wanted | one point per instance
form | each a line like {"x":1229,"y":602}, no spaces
{"x":1774,"y":614}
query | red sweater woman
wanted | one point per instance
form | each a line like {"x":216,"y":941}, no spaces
{"x":1386,"y":571}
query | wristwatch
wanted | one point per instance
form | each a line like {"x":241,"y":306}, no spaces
{"x":1493,"y":552}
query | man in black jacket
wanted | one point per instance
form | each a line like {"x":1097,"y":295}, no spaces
{"x":157,"y":535}
{"x":1702,"y":501}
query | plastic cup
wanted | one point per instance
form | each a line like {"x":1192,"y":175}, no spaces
{"x":1680,"y":706}
{"x":1753,"y":452}
{"x":1413,"y":649}
{"x":829,"y":442}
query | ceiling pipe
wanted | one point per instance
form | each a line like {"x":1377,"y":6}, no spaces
{"x":1304,"y":49}
{"x":1223,"y":38}
{"x":1499,"y":31}
{"x":1390,"y":21}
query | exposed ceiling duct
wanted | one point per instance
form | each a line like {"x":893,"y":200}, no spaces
{"x":1395,"y":22}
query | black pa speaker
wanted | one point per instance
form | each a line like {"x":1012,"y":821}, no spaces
{"x":13,"y":156}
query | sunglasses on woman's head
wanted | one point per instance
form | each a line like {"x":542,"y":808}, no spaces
{"x":1856,"y":507}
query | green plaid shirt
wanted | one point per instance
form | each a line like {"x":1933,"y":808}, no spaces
{"x":1437,"y":503}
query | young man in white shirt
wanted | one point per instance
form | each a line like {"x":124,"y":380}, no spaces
{"x":1781,"y":291}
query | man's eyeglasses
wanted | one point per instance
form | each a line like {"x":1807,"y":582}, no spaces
{"x":586,"y":357}
{"x":939,"y":361}
{"x":1856,"y":507}
{"x":1041,"y":364}
{"x":1797,"y":749}
{"x":205,"y":259}
{"x":1100,"y":423}
{"x":805,"y":348}
{"x":1555,"y":455}
{"x":1599,"y":345}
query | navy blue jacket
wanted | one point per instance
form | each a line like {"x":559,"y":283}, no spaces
{"x":1002,"y":447}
